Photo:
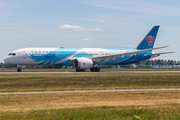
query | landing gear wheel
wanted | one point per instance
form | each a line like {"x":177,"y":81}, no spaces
{"x":95,"y":69}
{"x":80,"y":70}
{"x":19,"y":69}
{"x":98,"y":70}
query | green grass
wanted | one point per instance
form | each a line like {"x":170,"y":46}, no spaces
{"x":101,"y":81}
{"x":95,"y":113}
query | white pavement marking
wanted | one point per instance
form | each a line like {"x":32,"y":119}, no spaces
{"x":86,"y":91}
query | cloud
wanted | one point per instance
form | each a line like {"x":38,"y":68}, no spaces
{"x":29,"y":40}
{"x":128,"y":46}
{"x":137,"y":6}
{"x":7,"y":5}
{"x":0,"y":32}
{"x":86,"y":39}
{"x":68,"y":28}
{"x":92,"y":19}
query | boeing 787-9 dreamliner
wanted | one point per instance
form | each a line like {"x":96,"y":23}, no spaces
{"x":85,"y":58}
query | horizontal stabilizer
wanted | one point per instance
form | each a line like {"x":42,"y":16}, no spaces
{"x":158,"y":54}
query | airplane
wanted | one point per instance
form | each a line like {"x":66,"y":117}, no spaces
{"x":85,"y":58}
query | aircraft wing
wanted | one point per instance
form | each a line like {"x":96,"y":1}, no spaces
{"x":106,"y":57}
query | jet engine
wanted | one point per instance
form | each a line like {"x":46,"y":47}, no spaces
{"x":83,"y":63}
{"x":55,"y":66}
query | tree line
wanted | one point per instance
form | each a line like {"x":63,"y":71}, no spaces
{"x":159,"y":62}
{"x":147,"y":63}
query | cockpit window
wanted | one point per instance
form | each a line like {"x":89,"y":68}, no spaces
{"x":12,"y":54}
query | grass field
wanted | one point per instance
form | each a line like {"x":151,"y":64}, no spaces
{"x":97,"y":113}
{"x":150,"y":105}
{"x":119,"y":105}
{"x":100,"y":81}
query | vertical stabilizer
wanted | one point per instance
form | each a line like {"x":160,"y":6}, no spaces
{"x":149,"y":39}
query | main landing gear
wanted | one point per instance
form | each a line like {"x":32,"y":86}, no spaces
{"x":19,"y":70}
{"x":95,"y":69}
{"x":80,"y":70}
{"x":92,"y":70}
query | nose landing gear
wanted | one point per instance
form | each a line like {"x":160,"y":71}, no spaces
{"x":19,"y":68}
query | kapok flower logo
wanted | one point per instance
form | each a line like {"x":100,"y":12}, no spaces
{"x":150,"y":39}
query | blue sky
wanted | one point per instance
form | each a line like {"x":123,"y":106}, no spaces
{"x":88,"y":23}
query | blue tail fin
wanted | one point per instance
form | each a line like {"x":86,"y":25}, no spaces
{"x":149,"y":40}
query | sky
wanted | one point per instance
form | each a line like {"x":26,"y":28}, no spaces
{"x":88,"y":23}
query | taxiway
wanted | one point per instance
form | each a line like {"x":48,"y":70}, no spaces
{"x":86,"y":91}
{"x":89,"y":72}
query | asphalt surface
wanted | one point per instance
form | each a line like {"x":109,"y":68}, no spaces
{"x":89,"y":72}
{"x":85,"y":91}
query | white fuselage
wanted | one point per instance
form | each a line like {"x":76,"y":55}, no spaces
{"x":61,"y":56}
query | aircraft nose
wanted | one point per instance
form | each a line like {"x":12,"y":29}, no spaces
{"x":6,"y":60}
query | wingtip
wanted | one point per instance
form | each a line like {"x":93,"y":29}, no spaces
{"x":163,"y":46}
{"x":166,"y":46}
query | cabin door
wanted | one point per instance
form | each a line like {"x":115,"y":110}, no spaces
{"x":25,"y":55}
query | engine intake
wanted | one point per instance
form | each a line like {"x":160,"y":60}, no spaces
{"x":83,"y":63}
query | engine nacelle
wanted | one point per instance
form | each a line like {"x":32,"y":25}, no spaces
{"x":55,"y":66}
{"x":83,"y":63}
